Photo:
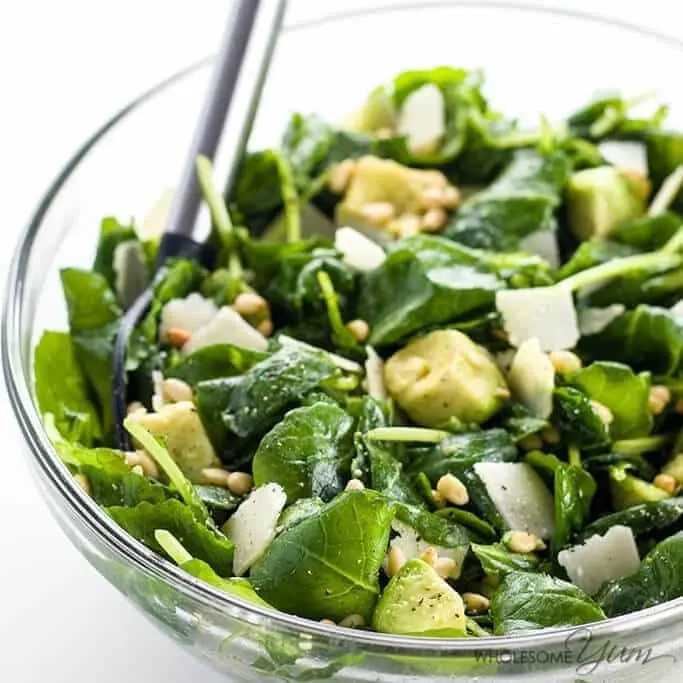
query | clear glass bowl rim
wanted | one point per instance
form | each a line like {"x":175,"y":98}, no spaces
{"x":133,"y":552}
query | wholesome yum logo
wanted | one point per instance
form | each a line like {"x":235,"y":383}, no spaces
{"x":580,"y":651}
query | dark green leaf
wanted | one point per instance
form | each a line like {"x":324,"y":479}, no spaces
{"x":650,"y":232}
{"x":61,"y":389}
{"x":659,"y":579}
{"x":177,"y":518}
{"x":664,"y":156}
{"x":528,"y":602}
{"x":574,"y":416}
{"x":327,"y":566}
{"x":217,"y":497}
{"x":574,"y":492}
{"x":308,"y":453}
{"x":90,"y":301}
{"x":593,"y":253}
{"x":434,"y":529}
{"x":497,"y":560}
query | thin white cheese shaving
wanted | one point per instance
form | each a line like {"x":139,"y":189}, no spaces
{"x":601,"y":559}
{"x":532,"y":379}
{"x":410,"y":543}
{"x":154,"y":223}
{"x":520,"y":496}
{"x":625,"y":154}
{"x":189,"y":314}
{"x":131,"y":271}
{"x":677,"y":308}
{"x":544,"y":244}
{"x":594,"y":320}
{"x":374,"y":375}
{"x":157,"y":391}
{"x":544,"y":313}
{"x":252,"y":527}
{"x":358,"y":251}
{"x":423,"y":119}
{"x":227,"y":327}
{"x":667,"y":193}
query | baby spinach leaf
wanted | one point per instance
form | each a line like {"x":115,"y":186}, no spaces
{"x":458,"y":453}
{"x":528,"y":602}
{"x":520,"y":202}
{"x":478,"y":530}
{"x":298,"y":511}
{"x":90,"y":301}
{"x":519,"y":422}
{"x":439,"y":282}
{"x":327,"y":566}
{"x":626,"y":395}
{"x":112,"y":235}
{"x":308,"y":453}
{"x":664,"y":155}
{"x":659,"y":579}
{"x":647,"y":338}
{"x":212,"y":362}
{"x":637,"y":462}
{"x":497,"y":560}
{"x":649,"y":232}
{"x":432,"y":528}
{"x":593,"y":253}
{"x":574,"y":491}
{"x":642,"y":519}
{"x":577,"y":421}
{"x":254,"y":401}
{"x":61,"y":389}
{"x":217,"y":498}
{"x":206,"y":544}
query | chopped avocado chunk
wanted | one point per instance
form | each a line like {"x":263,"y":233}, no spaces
{"x":628,"y":490}
{"x":418,"y":601}
{"x":445,"y":376}
{"x":600,"y":199}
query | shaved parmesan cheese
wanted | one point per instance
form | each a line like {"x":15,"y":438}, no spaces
{"x":520,"y":496}
{"x":358,"y":251}
{"x":412,"y":545}
{"x":187,"y":314}
{"x":594,"y":320}
{"x":667,"y":193}
{"x":423,"y":119}
{"x":154,"y":223}
{"x":374,"y":375}
{"x":252,"y":527}
{"x":532,"y":379}
{"x":625,"y":154}
{"x":131,"y":271}
{"x":601,"y":559}
{"x":544,"y":244}
{"x":677,"y":308}
{"x":157,"y":391}
{"x":546,"y":313}
{"x":227,"y":327}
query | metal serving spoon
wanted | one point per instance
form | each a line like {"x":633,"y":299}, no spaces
{"x":253,"y":27}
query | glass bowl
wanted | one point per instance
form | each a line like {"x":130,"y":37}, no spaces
{"x":536,"y":60}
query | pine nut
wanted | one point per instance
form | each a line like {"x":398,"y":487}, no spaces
{"x":353,"y":621}
{"x":340,"y":176}
{"x":378,"y":213}
{"x":240,"y":483}
{"x":445,"y":566}
{"x":435,"y":178}
{"x":453,"y":490}
{"x":175,"y":390}
{"x":531,"y":442}
{"x":328,"y":622}
{"x":177,"y":337}
{"x":384,"y":133}
{"x":434,"y":220}
{"x":395,"y":560}
{"x":523,"y":542}
{"x":667,"y":483}
{"x":359,"y":329}
{"x":140,"y":458}
{"x":265,"y":327}
{"x":551,"y":434}
{"x":355,"y":485}
{"x":603,"y":412}
{"x":138,"y":470}
{"x":429,"y":556}
{"x":476,"y":603}
{"x":660,"y":397}
{"x":451,"y":197}
{"x":136,"y":407}
{"x":678,"y":407}
{"x":249,"y":303}
{"x":432,"y":198}
{"x":502,"y":393}
{"x":438,"y":500}
{"x":406,"y":226}
{"x":565,"y":362}
{"x":216,"y":476}
{"x":83,"y":482}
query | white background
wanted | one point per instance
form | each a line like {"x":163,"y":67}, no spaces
{"x":65,"y":66}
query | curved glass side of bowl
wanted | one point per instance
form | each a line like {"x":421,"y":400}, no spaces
{"x":534,"y":61}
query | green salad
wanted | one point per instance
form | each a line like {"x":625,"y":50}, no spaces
{"x":433,"y":385}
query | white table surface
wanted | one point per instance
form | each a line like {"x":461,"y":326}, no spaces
{"x":59,"y":620}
